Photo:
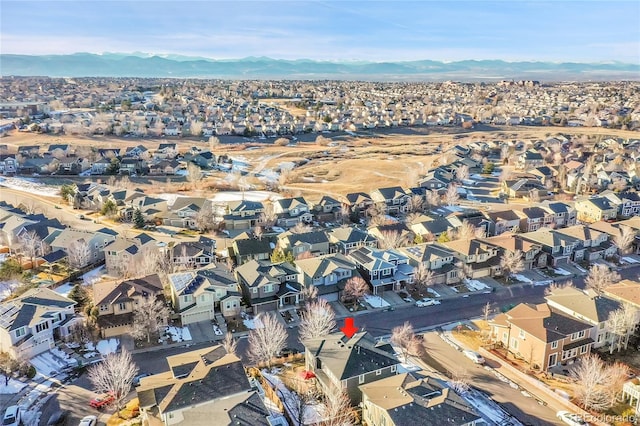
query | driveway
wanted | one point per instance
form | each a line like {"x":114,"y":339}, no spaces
{"x":75,"y":399}
{"x":202,"y":332}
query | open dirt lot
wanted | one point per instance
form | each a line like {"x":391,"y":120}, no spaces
{"x":389,"y":158}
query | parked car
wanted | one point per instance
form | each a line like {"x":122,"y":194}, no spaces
{"x":474,"y":356}
{"x":12,"y":416}
{"x":287,"y":352}
{"x":136,"y":380}
{"x":427,"y":302}
{"x":88,"y":421}
{"x":102,"y":401}
{"x":571,"y":419}
{"x":57,"y":418}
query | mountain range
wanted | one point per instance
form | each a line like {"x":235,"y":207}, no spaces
{"x":178,"y":66}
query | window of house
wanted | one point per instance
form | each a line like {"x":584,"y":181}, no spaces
{"x":521,"y":334}
{"x":121,"y":306}
{"x":361,"y":379}
{"x":20,"y":332}
{"x":514,"y":343}
{"x":103,"y":308}
{"x":581,"y":334}
{"x":268,"y":288}
{"x":554,"y":345}
{"x":378,"y":372}
{"x":583,"y":349}
{"x":42,"y":327}
{"x":254,"y":290}
{"x":393,"y":368}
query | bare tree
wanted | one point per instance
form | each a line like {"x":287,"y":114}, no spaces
{"x":511,"y":263}
{"x":433,"y":198}
{"x":618,"y":375}
{"x":206,"y":219}
{"x":354,"y":289}
{"x":460,"y":381}
{"x":345,"y":213}
{"x":405,"y":338}
{"x":318,"y":319}
{"x":79,"y":253}
{"x":214,"y":142}
{"x":8,"y":366}
{"x":194,"y":174}
{"x":467,"y":231}
{"x":336,"y":409}
{"x":258,"y":232}
{"x":267,"y":339}
{"x":592,"y":383}
{"x":391,"y":239}
{"x":557,"y":286}
{"x":230,"y":344}
{"x":423,"y":278}
{"x":195,"y":127}
{"x":148,"y":316}
{"x":462,"y":173}
{"x":600,"y":277}
{"x":309,"y":293}
{"x":114,"y":375}
{"x":486,"y":311}
{"x":31,"y":245}
{"x":268,"y":217}
{"x":465,"y":270}
{"x":300,"y":228}
{"x":451,"y":197}
{"x":151,"y":260}
{"x":624,"y":239}
{"x":621,"y":324}
{"x":416,"y":204}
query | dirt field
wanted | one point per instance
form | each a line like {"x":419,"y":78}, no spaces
{"x":389,"y":158}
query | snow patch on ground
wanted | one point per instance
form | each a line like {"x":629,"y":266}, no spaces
{"x":14,"y":386}
{"x":522,"y":278}
{"x":561,"y":271}
{"x":433,"y":292}
{"x":64,"y":289}
{"x":475,"y":285}
{"x":31,"y":186}
{"x":375,"y":301}
{"x":52,"y":362}
{"x":93,"y":276}
{"x":252,"y":323}
{"x":290,"y":400}
{"x":108,"y":346}
{"x":179,"y":334}
{"x":630,"y":260}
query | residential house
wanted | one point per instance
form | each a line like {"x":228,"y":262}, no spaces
{"x":166,"y":151}
{"x":477,"y":257}
{"x":150,"y":207}
{"x":437,"y":179}
{"x":348,"y":238}
{"x":116,"y":302}
{"x":245,"y":248}
{"x":392,"y":200}
{"x":396,"y":233}
{"x":8,"y":165}
{"x":204,"y":159}
{"x":327,"y":209}
{"x":436,"y":258}
{"x":196,"y":295}
{"x":202,"y":386}
{"x":243,"y":214}
{"x":31,"y":323}
{"x":328,"y":273}
{"x":193,"y":254}
{"x":563,"y":214}
{"x":100,"y":166}
{"x":628,"y":203}
{"x":530,"y":159}
{"x":504,"y":221}
{"x":83,"y":248}
{"x":593,"y":244}
{"x":314,"y":242}
{"x":588,"y":306}
{"x":182,"y":213}
{"x":541,"y":336}
{"x":534,"y":218}
{"x":631,"y":394}
{"x":559,"y":247}
{"x":532,"y":254}
{"x":347,"y":363}
{"x":291,"y":211}
{"x":384,"y":270}
{"x":165,"y":167}
{"x":523,"y":187}
{"x":414,"y":399}
{"x":591,"y":210}
{"x":268,"y":286}
{"x":124,"y":253}
{"x":359,"y":201}
{"x":625,"y":291}
{"x":430,"y":228}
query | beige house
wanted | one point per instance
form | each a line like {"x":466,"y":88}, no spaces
{"x":480,"y":258}
{"x":122,"y":253}
{"x":116,"y":302}
{"x":594,"y":209}
{"x":197,"y":294}
{"x":542,"y":337}
{"x":532,"y":254}
{"x":436,"y":258}
{"x":31,"y":323}
{"x":414,"y":399}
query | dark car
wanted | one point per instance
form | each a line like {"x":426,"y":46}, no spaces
{"x":136,"y":380}
{"x":57,"y":418}
{"x":287,"y":352}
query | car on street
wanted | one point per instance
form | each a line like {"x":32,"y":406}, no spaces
{"x":136,"y":380}
{"x":88,"y":421}
{"x":102,"y":401}
{"x":287,"y":352}
{"x":427,"y":302}
{"x":12,"y":416}
{"x":57,"y":418}
{"x":571,"y":419}
{"x":474,"y":356}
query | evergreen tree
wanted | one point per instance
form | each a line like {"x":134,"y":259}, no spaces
{"x":79,"y":295}
{"x":138,"y":219}
{"x":280,"y":255}
{"x":109,"y":208}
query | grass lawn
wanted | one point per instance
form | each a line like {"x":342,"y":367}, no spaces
{"x":470,"y":338}
{"x":130,"y":411}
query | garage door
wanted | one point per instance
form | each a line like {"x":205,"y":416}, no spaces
{"x":331,"y":297}
{"x":196,"y":317}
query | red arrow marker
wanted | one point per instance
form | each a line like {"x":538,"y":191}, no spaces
{"x":349,"y":329}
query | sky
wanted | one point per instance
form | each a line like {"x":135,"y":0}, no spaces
{"x":334,"y":30}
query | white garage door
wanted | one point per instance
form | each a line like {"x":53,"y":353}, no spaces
{"x":331,"y":297}
{"x":196,"y":317}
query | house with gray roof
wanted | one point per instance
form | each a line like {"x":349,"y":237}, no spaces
{"x":345,"y":239}
{"x":30,"y":323}
{"x":268,"y":286}
{"x":436,"y":258}
{"x":122,"y":252}
{"x":391,"y":200}
{"x":243,"y":214}
{"x":202,"y":387}
{"x":347,"y":363}
{"x":593,"y":209}
{"x":83,"y":248}
{"x":314,"y":242}
{"x":328,"y":273}
{"x":291,"y":211}
{"x":384,"y":270}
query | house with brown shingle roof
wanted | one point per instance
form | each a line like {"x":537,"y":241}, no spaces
{"x":542,"y":337}
{"x":627,"y":291}
{"x":532,"y":254}
{"x":480,"y":258}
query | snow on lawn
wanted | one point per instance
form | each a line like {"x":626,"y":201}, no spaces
{"x":179,"y":334}
{"x":291,"y":403}
{"x":31,"y":186}
{"x":630,"y":260}
{"x":31,"y":417}
{"x":224,"y":196}
{"x":93,"y":276}
{"x":64,"y":289}
{"x":433,"y":292}
{"x":475,"y":285}
{"x":51,"y":363}
{"x":252,"y":324}
{"x":375,"y":301}
{"x":487,"y":408}
{"x":561,"y":271}
{"x":108,"y":346}
{"x":14,"y":386}
{"x":521,"y":278}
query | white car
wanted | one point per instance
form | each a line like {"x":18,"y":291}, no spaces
{"x":88,"y":421}
{"x":427,"y":302}
{"x":474,"y":356}
{"x":12,"y":416}
{"x":571,"y":419}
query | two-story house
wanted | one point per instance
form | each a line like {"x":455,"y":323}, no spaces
{"x":478,"y":257}
{"x":534,"y":218}
{"x":8,"y":165}
{"x":150,"y":207}
{"x":116,"y":302}
{"x":243,"y":214}
{"x":591,"y":210}
{"x":347,"y":363}
{"x":122,"y":252}
{"x":384,"y":270}
{"x":542,"y":337}
{"x":392,"y":200}
{"x":291,"y":211}
{"x":628,"y":203}
{"x":195,"y":295}
{"x":327,"y":209}
{"x":593,"y":245}
{"x":182,"y":213}
{"x":563,"y":214}
{"x":193,"y":254}
{"x":504,"y":221}
{"x":314,"y":242}
{"x":413,"y":399}
{"x":530,"y":159}
{"x":359,"y":201}
{"x":588,"y":306}
{"x":31,"y":323}
{"x":83,"y":248}
{"x":267,"y":286}
{"x":202,"y":387}
{"x":245,"y":248}
{"x":532,"y":254}
{"x":559,"y":247}
{"x":348,"y":238}
{"x":327,"y":273}
{"x":436,"y":258}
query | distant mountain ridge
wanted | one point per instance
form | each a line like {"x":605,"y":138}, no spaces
{"x":171,"y":65}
